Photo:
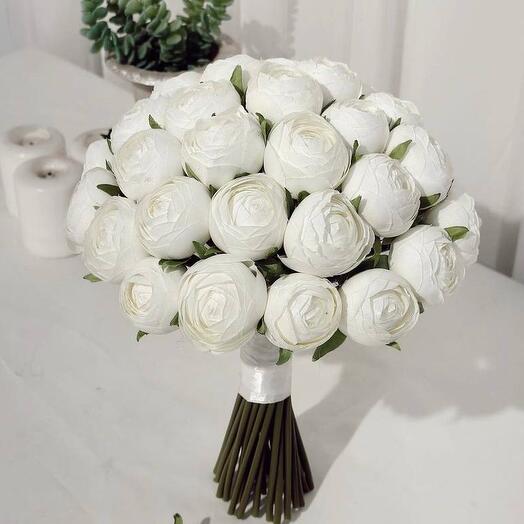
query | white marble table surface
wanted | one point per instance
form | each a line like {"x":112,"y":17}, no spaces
{"x":96,"y":429}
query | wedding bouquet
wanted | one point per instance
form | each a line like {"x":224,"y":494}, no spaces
{"x":272,"y":206}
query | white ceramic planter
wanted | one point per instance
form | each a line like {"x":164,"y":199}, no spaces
{"x":140,"y":82}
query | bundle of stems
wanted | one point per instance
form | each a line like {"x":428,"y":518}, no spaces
{"x":262,"y":467}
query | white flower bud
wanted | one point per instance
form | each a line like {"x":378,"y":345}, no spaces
{"x":426,"y":258}
{"x":325,"y":236}
{"x":424,"y":159}
{"x":97,"y":154}
{"x":146,"y":161}
{"x":390,"y":197}
{"x":359,"y":120}
{"x":396,"y":108}
{"x":111,"y":246}
{"x":221,"y":301}
{"x":170,"y":218}
{"x":188,"y":104}
{"x":219,"y":148}
{"x":305,"y":153}
{"x":338,"y":82}
{"x":167,"y":88}
{"x":379,"y":307}
{"x":223,"y":69}
{"x":248,"y":216}
{"x":149,"y":296}
{"x":137,"y":119}
{"x":459,"y":211}
{"x":84,"y":201}
{"x":278,"y":90}
{"x":302,"y":312}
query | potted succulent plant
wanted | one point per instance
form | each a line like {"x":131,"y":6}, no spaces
{"x":142,"y":43}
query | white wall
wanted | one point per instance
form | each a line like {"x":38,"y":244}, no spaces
{"x":460,"y":61}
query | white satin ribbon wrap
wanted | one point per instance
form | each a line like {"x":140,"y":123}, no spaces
{"x":261,"y":380}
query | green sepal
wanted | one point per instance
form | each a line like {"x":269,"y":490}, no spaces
{"x":456,"y":232}
{"x":265,"y":126}
{"x":394,"y":345}
{"x":302,"y":195}
{"x":400,"y":151}
{"x":110,"y":189}
{"x":92,"y":278}
{"x":153,"y":124}
{"x":169,"y":265}
{"x":356,"y":156}
{"x":109,"y":167}
{"x":396,"y":123}
{"x":212,"y":190}
{"x":190,"y":173}
{"x":420,"y":308}
{"x":140,"y":334}
{"x":238,"y":84}
{"x":336,"y":340}
{"x":355,"y":202}
{"x":429,"y":201}
{"x":377,"y":251}
{"x":174,"y":321}
{"x":283,"y":356}
{"x":261,"y":326}
{"x":109,"y":145}
{"x":204,"y":251}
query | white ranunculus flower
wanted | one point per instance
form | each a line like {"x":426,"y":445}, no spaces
{"x":149,"y":296}
{"x":302,"y":312}
{"x":188,"y":104}
{"x":219,"y":148}
{"x":379,"y":307}
{"x":111,"y":245}
{"x":248,"y":216}
{"x":390,"y":197}
{"x":221,"y":301}
{"x":305,"y":153}
{"x":223,"y":69}
{"x":325,"y":235}
{"x":426,"y":258}
{"x":84,"y":201}
{"x":459,"y":211}
{"x":146,"y":161}
{"x":359,"y":120}
{"x":137,"y":119}
{"x":97,"y":154}
{"x":278,"y":90}
{"x":338,"y":82}
{"x":396,"y":108}
{"x":166,"y":88}
{"x":424,"y":159}
{"x":170,"y":218}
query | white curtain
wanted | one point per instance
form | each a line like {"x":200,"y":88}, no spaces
{"x":460,"y":61}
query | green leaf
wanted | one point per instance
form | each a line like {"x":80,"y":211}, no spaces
{"x":333,"y":343}
{"x":110,"y":189}
{"x":140,"y":334}
{"x":395,"y":345}
{"x":377,"y":250}
{"x":272,"y":252}
{"x":109,"y":167}
{"x":265,"y":126}
{"x":382,"y":262}
{"x":178,"y":519}
{"x":92,"y":278}
{"x":205,"y":251}
{"x":456,"y":232}
{"x":429,"y":201}
{"x":421,"y":307}
{"x":283,"y":356}
{"x":400,"y":151}
{"x":190,"y":173}
{"x":174,"y":321}
{"x":169,"y":265}
{"x":153,"y":124}
{"x":356,"y":156}
{"x":238,"y":84}
{"x":290,"y":203}
{"x":356,"y":202}
{"x":261,"y":327}
{"x":272,"y":271}
{"x":212,"y":190}
{"x":396,"y":123}
{"x":132,"y":7}
{"x":109,"y":146}
{"x":301,"y":196}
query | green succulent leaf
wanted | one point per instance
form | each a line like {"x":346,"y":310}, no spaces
{"x":456,"y":232}
{"x":92,"y":278}
{"x":333,"y":343}
{"x":283,"y":356}
{"x":400,"y":151}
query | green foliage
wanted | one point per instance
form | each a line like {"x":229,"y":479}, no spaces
{"x":333,"y":343}
{"x":283,"y":356}
{"x":457,"y":232}
{"x":144,"y":34}
{"x":400,"y":151}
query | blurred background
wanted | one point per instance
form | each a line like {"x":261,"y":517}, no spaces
{"x":460,"y":62}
